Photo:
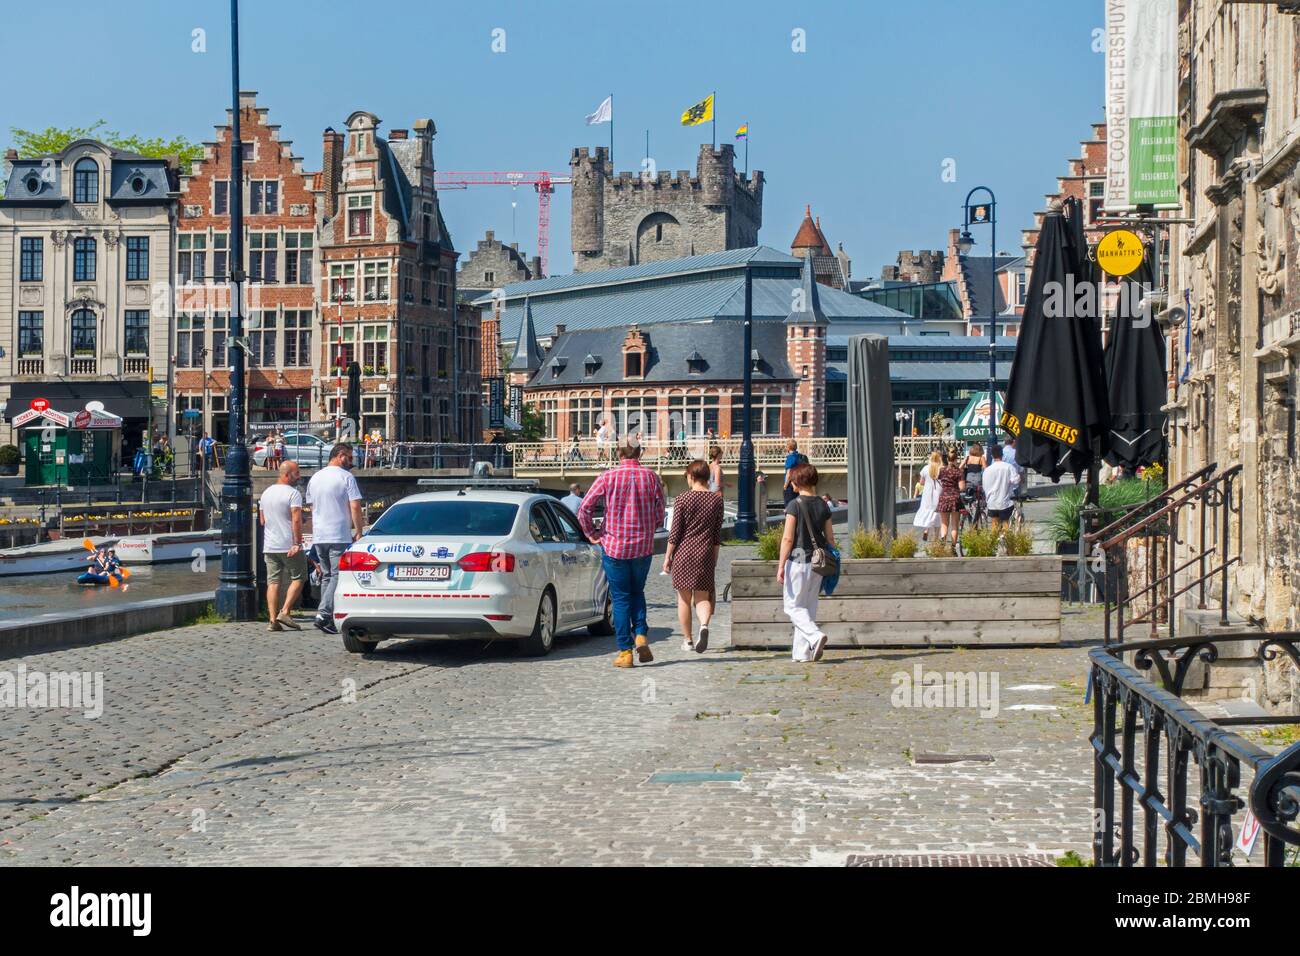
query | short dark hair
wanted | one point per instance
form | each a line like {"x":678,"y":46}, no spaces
{"x":698,"y":470}
{"x":342,"y":448}
{"x":804,"y":475}
{"x":630,"y":447}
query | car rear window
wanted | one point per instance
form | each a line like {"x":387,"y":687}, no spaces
{"x":446,"y":518}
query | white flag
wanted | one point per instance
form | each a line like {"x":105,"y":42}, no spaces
{"x":604,"y":112}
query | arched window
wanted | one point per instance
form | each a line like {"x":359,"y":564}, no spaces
{"x":83,"y":332}
{"x":85,"y":181}
{"x":83,"y":259}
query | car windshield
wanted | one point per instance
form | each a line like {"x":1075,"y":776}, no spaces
{"x":451,"y":518}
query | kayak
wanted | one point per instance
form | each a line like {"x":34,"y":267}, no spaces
{"x":92,"y":579}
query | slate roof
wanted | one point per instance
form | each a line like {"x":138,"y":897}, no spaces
{"x":669,"y":347}
{"x":975,"y":270}
{"x":946,"y":371}
{"x":158,"y":180}
{"x":691,"y":289}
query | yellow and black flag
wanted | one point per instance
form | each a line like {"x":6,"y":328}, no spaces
{"x":701,"y":112}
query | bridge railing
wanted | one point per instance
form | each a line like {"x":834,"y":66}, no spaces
{"x":769,"y":452}
{"x":1144,"y":739}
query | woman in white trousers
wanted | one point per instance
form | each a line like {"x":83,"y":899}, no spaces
{"x":807,"y":526}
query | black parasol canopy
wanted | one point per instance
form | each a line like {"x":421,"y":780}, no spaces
{"x":352,"y":404}
{"x":1135,"y":377}
{"x":1056,"y":403}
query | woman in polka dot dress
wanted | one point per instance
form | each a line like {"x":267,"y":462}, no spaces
{"x":692,"y":553}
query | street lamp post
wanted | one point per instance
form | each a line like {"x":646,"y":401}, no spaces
{"x":746,"y":521}
{"x":236,"y":596}
{"x":978,"y":215}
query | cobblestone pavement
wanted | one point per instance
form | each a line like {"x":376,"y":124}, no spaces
{"x":227,"y":744}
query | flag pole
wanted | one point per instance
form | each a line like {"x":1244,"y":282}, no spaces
{"x":746,"y":150}
{"x":611,"y":131}
{"x":714,"y":96}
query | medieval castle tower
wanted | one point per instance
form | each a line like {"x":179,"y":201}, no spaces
{"x":628,"y":218}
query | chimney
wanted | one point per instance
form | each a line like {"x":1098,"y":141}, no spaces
{"x":488,"y":239}
{"x":396,"y":134}
{"x":331,"y":170}
{"x":559,"y":329}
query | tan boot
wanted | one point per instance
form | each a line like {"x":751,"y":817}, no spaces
{"x":624,"y":659}
{"x":643,"y":649}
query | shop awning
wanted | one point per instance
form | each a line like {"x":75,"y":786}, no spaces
{"x":125,"y":399}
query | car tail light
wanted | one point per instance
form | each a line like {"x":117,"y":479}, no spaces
{"x":358,"y":561}
{"x":487,"y":561}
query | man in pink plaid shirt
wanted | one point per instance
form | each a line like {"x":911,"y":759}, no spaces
{"x":634,"y":510}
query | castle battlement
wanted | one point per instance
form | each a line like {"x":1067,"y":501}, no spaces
{"x":625,"y":217}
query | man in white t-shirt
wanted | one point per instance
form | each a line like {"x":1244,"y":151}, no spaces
{"x":573,"y":500}
{"x":1001,"y":479}
{"x":280,"y":511}
{"x":336,"y":521}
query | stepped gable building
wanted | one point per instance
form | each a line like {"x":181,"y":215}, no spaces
{"x":85,"y":242}
{"x":652,"y":349}
{"x":831,"y":268}
{"x":280,"y":243}
{"x":387,"y":288}
{"x":493,"y":264}
{"x":630,"y":218}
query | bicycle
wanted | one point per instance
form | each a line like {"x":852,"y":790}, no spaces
{"x":972,"y":514}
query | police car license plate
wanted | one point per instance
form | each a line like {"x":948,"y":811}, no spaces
{"x":420,"y":572}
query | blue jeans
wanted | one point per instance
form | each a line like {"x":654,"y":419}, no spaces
{"x":327,"y":556}
{"x":626,"y":577}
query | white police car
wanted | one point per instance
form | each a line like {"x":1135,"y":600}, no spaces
{"x":478,"y":562}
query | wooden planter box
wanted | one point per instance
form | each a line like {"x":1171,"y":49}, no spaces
{"x":910,"y":602}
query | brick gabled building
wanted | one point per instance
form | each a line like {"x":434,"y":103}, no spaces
{"x":280,"y":259}
{"x":388,"y":291}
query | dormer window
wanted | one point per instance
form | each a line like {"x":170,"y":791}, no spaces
{"x":636,"y":348}
{"x":85,"y":181}
{"x":590,"y":365}
{"x":695,"y":364}
{"x":755,"y":361}
{"x":137,"y":182}
{"x":632,"y":365}
{"x":557,"y":366}
{"x":33,"y":183}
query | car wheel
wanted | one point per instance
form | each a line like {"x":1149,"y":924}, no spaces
{"x":354,"y":645}
{"x":605,"y":626}
{"x":540,"y":642}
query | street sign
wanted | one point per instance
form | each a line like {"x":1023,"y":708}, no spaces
{"x":496,"y":402}
{"x":191,"y":413}
{"x":1119,"y":252}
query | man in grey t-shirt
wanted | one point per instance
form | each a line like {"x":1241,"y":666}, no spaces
{"x":336,"y":521}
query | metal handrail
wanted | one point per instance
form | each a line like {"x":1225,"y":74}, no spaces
{"x":1160,"y":526}
{"x":1158,"y":711}
{"x":1099,"y":534}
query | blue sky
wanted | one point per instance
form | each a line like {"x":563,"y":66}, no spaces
{"x":859,"y":125}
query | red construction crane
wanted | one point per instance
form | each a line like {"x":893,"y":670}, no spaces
{"x":543,"y":182}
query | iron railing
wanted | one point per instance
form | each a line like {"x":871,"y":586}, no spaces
{"x":1184,"y":541}
{"x":1144,"y":739}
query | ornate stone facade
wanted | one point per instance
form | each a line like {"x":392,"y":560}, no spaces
{"x":1233,"y":311}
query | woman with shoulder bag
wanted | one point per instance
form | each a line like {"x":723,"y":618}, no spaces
{"x":806,"y":557}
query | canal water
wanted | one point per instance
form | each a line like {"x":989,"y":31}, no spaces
{"x":35,"y":595}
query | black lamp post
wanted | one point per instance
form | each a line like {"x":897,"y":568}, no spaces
{"x":981,"y":214}
{"x":746,"y":521}
{"x":236,"y":596}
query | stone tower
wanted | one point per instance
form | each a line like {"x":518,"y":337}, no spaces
{"x":626,"y":218}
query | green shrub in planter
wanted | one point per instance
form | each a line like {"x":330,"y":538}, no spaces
{"x":979,"y":542}
{"x":769,"y":542}
{"x":868,"y":544}
{"x":904,"y":546}
{"x":1018,"y":541}
{"x":9,"y":459}
{"x":1115,"y":497}
{"x":940,"y":548}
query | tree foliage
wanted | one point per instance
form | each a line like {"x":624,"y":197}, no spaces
{"x":52,"y":139}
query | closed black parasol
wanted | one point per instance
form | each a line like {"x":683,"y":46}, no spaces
{"x":1056,"y":403}
{"x":352,"y":405}
{"x":1135,"y":377}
